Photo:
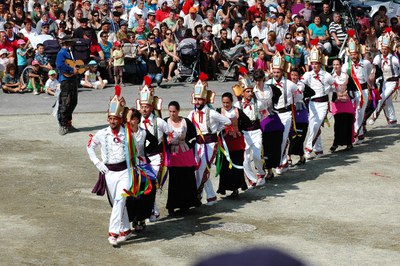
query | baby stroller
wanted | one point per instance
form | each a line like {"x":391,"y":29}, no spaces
{"x":232,"y":56}
{"x":188,"y":67}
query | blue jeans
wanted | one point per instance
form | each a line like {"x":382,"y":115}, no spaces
{"x":156,"y":77}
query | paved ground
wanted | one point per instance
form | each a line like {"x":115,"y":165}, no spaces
{"x":342,"y":209}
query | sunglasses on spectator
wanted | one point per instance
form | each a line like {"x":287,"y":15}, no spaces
{"x":301,"y":31}
{"x":151,"y":38}
{"x":95,"y":15}
{"x":168,"y":33}
{"x":288,"y":37}
{"x":258,"y":21}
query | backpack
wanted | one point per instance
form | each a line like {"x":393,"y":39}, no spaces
{"x":81,"y":50}
{"x":51,"y":49}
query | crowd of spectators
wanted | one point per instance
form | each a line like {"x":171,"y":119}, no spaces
{"x":145,"y":37}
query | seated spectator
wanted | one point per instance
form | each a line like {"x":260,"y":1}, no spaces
{"x":122,"y":34}
{"x":10,"y":81}
{"x":320,"y":31}
{"x":280,"y":28}
{"x":337,"y":30}
{"x":171,"y":57}
{"x":105,"y":28}
{"x":42,"y":58}
{"x":115,"y":21}
{"x":257,"y":10}
{"x":163,"y":12}
{"x":52,"y":85}
{"x":93,"y":78}
{"x":151,"y":20}
{"x":37,"y":13}
{"x":269,"y":45}
{"x":4,"y":44}
{"x":259,"y":30}
{"x":192,"y":19}
{"x":216,"y":29}
{"x":28,"y":31}
{"x":18,"y":17}
{"x":84,"y":27}
{"x":4,"y":61}
{"x":95,"y":21}
{"x":171,"y":19}
{"x":45,"y":20}
{"x":35,"y":83}
{"x":179,"y":29}
{"x":154,"y":66}
{"x":210,"y":18}
{"x":307,"y":12}
{"x":104,"y":10}
{"x":238,"y":30}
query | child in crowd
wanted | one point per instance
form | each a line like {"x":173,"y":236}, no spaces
{"x":10,"y":81}
{"x":52,"y":86}
{"x":35,"y":83}
{"x":260,"y":62}
{"x":257,"y":47}
{"x":21,"y":55}
{"x":4,"y":59}
{"x":92,"y":77}
{"x":118,"y":60}
{"x":307,"y":12}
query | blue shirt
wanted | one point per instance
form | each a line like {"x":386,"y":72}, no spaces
{"x":61,"y":66}
{"x":319,"y":32}
{"x":106,"y":49}
{"x":21,"y":59}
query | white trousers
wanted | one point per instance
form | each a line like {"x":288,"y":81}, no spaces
{"x":360,"y":112}
{"x":155,"y":162}
{"x":253,"y":141}
{"x":95,"y":84}
{"x":203,"y":173}
{"x":286,"y":119}
{"x":316,"y":116}
{"x":387,"y":89}
{"x":116,"y":183}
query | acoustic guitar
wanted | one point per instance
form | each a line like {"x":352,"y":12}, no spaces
{"x":78,"y":64}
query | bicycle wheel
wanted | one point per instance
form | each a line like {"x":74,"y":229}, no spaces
{"x":24,"y":78}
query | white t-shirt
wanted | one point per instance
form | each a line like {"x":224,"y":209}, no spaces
{"x":92,"y":77}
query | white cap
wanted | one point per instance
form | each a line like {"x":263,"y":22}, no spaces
{"x":300,"y":38}
{"x":3,"y":51}
{"x":139,"y":12}
{"x":300,"y":29}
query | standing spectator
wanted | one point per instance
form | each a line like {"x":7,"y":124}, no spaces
{"x":381,"y":16}
{"x":297,"y":6}
{"x":21,"y":55}
{"x":326,"y":15}
{"x":307,"y":12}
{"x":118,"y":62}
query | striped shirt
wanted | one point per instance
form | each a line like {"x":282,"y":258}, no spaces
{"x":338,"y":29}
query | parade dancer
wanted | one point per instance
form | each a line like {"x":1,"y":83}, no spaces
{"x":113,"y":168}
{"x":253,"y":109}
{"x":154,"y":125}
{"x":357,"y":69}
{"x":207,"y":122}
{"x":390,"y":67}
{"x":320,"y":81}
{"x":284,"y":104}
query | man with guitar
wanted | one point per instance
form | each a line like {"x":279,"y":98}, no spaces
{"x":68,"y":98}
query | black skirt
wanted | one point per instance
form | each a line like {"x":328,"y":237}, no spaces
{"x":182,"y":188}
{"x":232,"y":179}
{"x":296,"y":146}
{"x":343,"y":128}
{"x":141,"y":208}
{"x":272,"y":148}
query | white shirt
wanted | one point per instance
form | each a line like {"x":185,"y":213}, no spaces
{"x":190,"y":23}
{"x":162,"y":127}
{"x":244,"y":34}
{"x":254,"y":109}
{"x":385,"y":65}
{"x":280,"y":31}
{"x":52,"y":84}
{"x":217,"y":121}
{"x":320,"y":83}
{"x":360,"y":69}
{"x":140,"y":138}
{"x":340,"y":83}
{"x":216,"y":31}
{"x":283,"y":85}
{"x":260,"y":33}
{"x":32,"y":33}
{"x":112,"y":147}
